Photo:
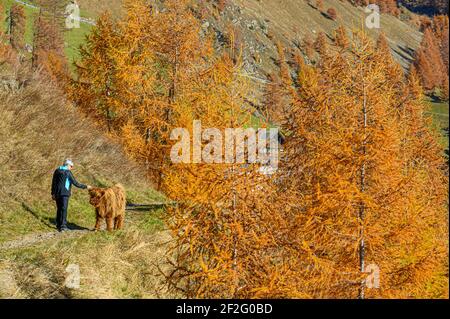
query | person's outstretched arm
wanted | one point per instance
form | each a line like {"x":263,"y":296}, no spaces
{"x":75,"y":183}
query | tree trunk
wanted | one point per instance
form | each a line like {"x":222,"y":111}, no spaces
{"x":362,"y":189}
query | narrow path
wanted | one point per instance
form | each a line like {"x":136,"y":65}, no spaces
{"x":36,"y":238}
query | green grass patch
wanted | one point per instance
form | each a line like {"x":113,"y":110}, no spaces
{"x":39,"y":215}
{"x":439,"y":110}
{"x":74,"y":38}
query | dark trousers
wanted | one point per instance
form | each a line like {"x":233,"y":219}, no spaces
{"x":62,"y":203}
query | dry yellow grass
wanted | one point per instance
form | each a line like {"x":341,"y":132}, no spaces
{"x":291,"y":19}
{"x":93,"y":9}
{"x":125,"y":265}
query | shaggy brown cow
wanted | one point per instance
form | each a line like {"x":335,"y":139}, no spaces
{"x":109,"y":203}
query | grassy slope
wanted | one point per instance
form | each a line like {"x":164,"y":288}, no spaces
{"x":38,"y":129}
{"x":440,"y":112}
{"x":92,"y":9}
{"x":287,"y":20}
{"x":34,"y":137}
{"x":294,"y":19}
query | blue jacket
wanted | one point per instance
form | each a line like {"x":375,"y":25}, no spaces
{"x":62,"y":182}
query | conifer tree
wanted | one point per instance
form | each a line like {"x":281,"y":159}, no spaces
{"x":17,"y":26}
{"x":341,"y":38}
{"x":48,"y":49}
{"x":118,"y":68}
{"x":362,"y":181}
{"x":359,"y":167}
{"x":319,"y":5}
{"x":93,"y":90}
{"x":441,"y":32}
{"x":183,"y":54}
{"x":429,"y":62}
{"x":225,"y":225}
{"x":54,"y":12}
{"x":332,"y":14}
{"x":308,"y":47}
{"x":4,"y":50}
{"x":321,"y":43}
{"x":384,"y":54}
{"x":273,"y":98}
{"x":2,"y":19}
{"x":284,"y":68}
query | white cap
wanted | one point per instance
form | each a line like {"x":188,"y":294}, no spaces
{"x":68,"y":162}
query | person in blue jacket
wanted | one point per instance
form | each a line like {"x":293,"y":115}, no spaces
{"x":62,"y":182}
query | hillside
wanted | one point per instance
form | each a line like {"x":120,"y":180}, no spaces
{"x":37,"y":131}
{"x":291,"y":21}
{"x":39,"y":128}
{"x":258,"y":24}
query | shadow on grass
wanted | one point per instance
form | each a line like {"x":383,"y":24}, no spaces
{"x":50,"y":222}
{"x":70,"y":225}
{"x":36,"y":215}
{"x":405,"y":53}
{"x":326,"y":15}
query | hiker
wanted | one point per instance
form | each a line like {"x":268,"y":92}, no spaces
{"x":61,"y":185}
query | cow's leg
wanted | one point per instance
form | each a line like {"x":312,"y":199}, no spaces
{"x":109,"y":223}
{"x":116,"y":222}
{"x":120,"y":220}
{"x":98,"y":223}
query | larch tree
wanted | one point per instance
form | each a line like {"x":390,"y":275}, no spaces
{"x":308,"y":47}
{"x":332,"y":14}
{"x":3,"y":19}
{"x":48,"y":49}
{"x":183,"y":53}
{"x":369,"y":178}
{"x":273,"y":98}
{"x":440,"y":25}
{"x":429,"y":64}
{"x":386,"y":6}
{"x":221,"y":5}
{"x":145,"y":126}
{"x":133,"y":71}
{"x":419,"y":255}
{"x":4,"y":47}
{"x":441,"y":31}
{"x":319,"y":5}
{"x":227,"y":217}
{"x":16,"y":26}
{"x":425,"y":22}
{"x":284,"y":68}
{"x":362,"y":180}
{"x":341,"y":37}
{"x":393,"y":69}
{"x":93,"y":88}
{"x":389,"y":6}
{"x":54,"y":11}
{"x":321,"y":43}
